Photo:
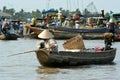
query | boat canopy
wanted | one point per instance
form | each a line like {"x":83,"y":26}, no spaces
{"x":49,"y":11}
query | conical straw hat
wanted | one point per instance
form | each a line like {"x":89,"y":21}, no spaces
{"x":112,"y":20}
{"x":45,"y":34}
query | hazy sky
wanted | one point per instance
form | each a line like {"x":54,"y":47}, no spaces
{"x":29,"y":5}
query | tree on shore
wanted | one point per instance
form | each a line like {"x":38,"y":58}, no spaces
{"x":23,"y":15}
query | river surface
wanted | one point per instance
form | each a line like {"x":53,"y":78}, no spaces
{"x":26,"y":66}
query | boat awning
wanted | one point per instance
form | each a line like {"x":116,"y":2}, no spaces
{"x":50,"y":11}
{"x":5,"y":15}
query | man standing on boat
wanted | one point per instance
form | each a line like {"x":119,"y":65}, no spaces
{"x":112,"y":27}
{"x":47,"y":42}
{"x":33,"y":22}
{"x":60,"y":16}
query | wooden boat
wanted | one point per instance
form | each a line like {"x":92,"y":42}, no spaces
{"x":91,"y":30}
{"x":67,"y":33}
{"x":8,"y":37}
{"x":68,"y":58}
{"x":63,"y":34}
{"x":31,"y":32}
{"x":89,"y":33}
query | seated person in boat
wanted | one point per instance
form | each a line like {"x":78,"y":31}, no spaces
{"x":47,"y":42}
{"x":108,"y":40}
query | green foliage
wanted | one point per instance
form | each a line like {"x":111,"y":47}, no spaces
{"x":22,"y":15}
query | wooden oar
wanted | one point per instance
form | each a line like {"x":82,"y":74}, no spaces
{"x":25,"y":52}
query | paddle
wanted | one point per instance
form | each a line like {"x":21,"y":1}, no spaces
{"x":31,"y":51}
{"x":25,"y":52}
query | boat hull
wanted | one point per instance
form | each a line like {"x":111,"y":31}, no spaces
{"x":8,"y":37}
{"x":67,"y":58}
{"x":67,"y":33}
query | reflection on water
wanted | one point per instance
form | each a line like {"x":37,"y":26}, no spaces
{"x":26,"y":66}
{"x":87,"y":72}
{"x":47,"y":70}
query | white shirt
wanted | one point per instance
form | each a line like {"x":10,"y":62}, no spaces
{"x":77,"y":26}
{"x":3,"y":24}
{"x":48,"y":44}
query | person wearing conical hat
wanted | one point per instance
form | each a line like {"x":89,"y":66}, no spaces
{"x":112,"y":27}
{"x":47,"y":41}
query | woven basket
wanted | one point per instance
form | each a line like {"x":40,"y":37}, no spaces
{"x":74,"y":43}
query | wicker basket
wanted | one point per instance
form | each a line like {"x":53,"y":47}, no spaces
{"x":74,"y":43}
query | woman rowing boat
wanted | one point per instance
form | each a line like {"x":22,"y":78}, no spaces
{"x":47,"y":42}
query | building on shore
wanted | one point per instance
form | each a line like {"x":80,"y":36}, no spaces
{"x":5,"y":15}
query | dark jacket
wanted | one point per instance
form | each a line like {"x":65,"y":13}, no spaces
{"x":112,"y":27}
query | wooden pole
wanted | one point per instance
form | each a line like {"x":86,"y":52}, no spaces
{"x":26,"y":52}
{"x":22,"y":53}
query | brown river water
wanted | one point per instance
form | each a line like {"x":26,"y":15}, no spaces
{"x":26,"y":66}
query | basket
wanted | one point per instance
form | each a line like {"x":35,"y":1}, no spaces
{"x":74,"y":43}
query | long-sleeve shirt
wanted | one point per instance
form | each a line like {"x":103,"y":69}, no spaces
{"x":47,"y":44}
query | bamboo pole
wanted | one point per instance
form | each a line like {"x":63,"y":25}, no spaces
{"x":25,"y":52}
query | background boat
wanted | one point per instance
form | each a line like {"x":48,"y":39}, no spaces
{"x":8,"y":36}
{"x":67,"y":33}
